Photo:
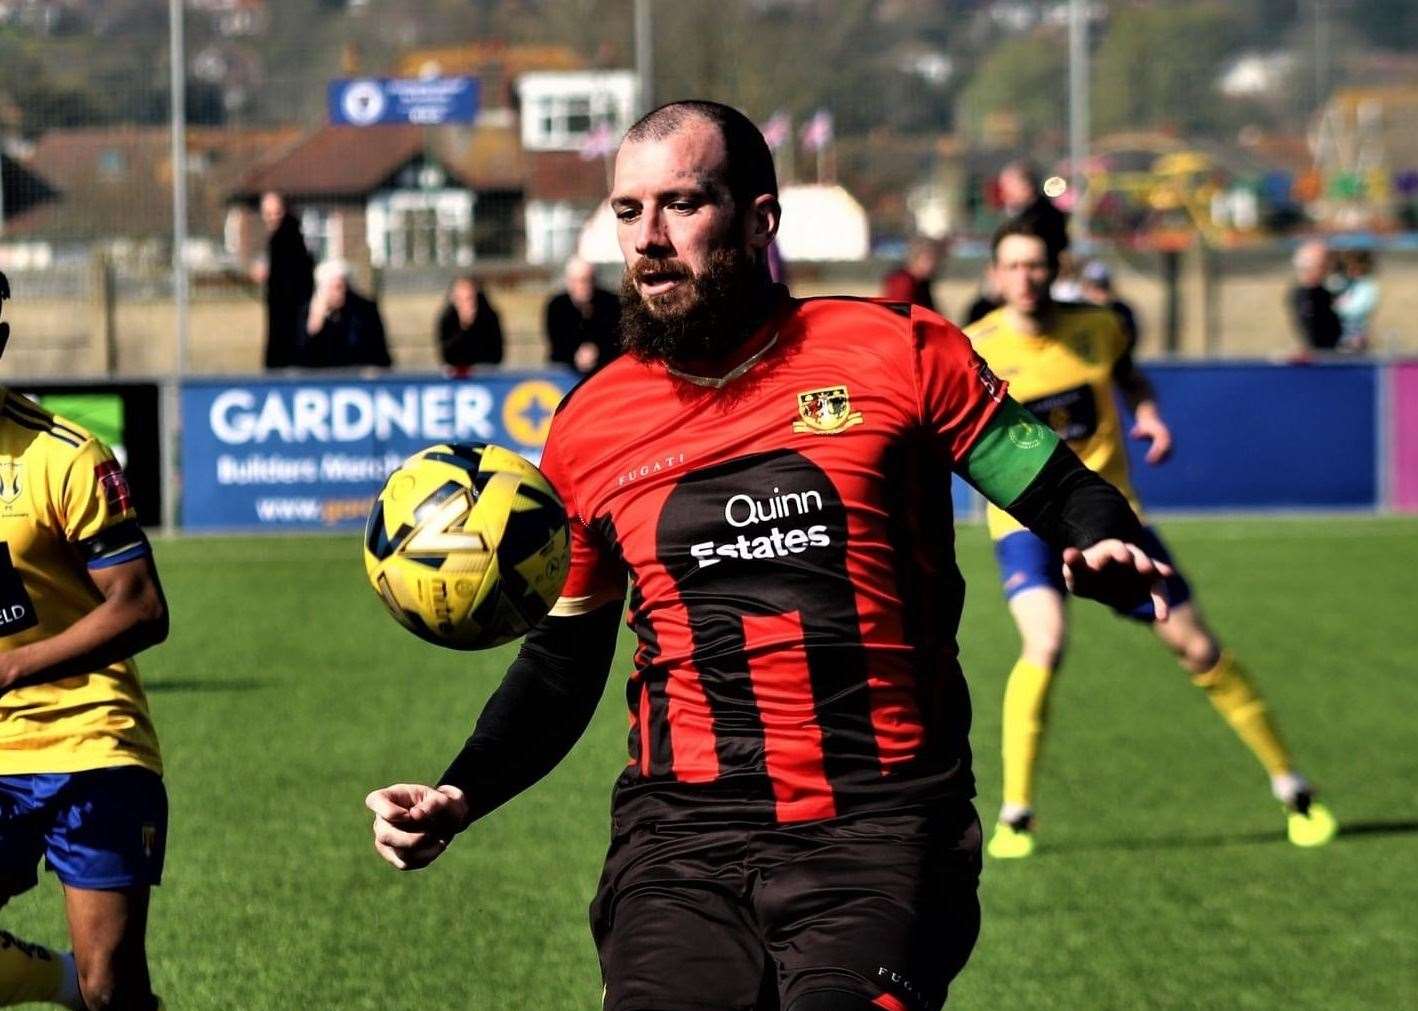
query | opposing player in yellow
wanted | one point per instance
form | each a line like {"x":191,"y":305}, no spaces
{"x":1063,"y":362}
{"x":80,"y":775}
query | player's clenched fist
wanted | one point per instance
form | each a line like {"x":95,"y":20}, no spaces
{"x":414,"y":824}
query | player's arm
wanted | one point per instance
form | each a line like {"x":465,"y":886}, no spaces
{"x":131,"y":617}
{"x":1141,"y":399}
{"x":92,"y":501}
{"x":530,"y":723}
{"x":1021,"y":466}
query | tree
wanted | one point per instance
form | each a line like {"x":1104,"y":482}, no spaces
{"x":1024,"y":78}
{"x":1384,"y":24}
{"x":1157,"y":68}
{"x":41,"y":102}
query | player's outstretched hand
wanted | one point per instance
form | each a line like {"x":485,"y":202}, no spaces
{"x":1150,"y":426}
{"x":414,"y":824}
{"x":1118,"y":574}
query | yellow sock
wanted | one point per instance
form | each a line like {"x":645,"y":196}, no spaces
{"x":1026,"y":695}
{"x":28,"y":972}
{"x":1237,"y":700}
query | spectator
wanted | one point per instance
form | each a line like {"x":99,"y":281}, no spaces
{"x":1357,"y":301}
{"x":1095,"y":284}
{"x":469,"y":329}
{"x":1311,"y":301}
{"x":1068,"y":286}
{"x":286,"y":274}
{"x":911,"y":282}
{"x":583,"y":322}
{"x":342,"y":328}
{"x":1023,"y":198}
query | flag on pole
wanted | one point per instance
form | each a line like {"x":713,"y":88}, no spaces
{"x":599,"y":142}
{"x":817,"y":131}
{"x":778,"y":129}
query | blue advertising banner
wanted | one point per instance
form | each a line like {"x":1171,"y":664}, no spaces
{"x":1255,"y":435}
{"x":312,"y":454}
{"x":292,"y":454}
{"x":375,"y":101}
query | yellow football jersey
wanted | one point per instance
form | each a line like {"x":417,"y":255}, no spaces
{"x":64,"y":510}
{"x":1065,"y":377}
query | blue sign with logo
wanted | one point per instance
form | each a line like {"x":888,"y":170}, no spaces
{"x":423,"y":101}
{"x":311,"y":455}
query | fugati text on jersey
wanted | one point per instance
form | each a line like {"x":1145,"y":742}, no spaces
{"x":647,"y":469}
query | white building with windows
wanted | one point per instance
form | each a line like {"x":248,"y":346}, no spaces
{"x":562,"y":109}
{"x":398,"y":196}
{"x":571,"y":124}
{"x":517,"y":185}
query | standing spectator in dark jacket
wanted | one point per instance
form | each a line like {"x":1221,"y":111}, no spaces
{"x":286,"y":275}
{"x":342,"y":328}
{"x":469,"y":329}
{"x":911,"y":282}
{"x":1024,"y":199}
{"x":583,"y":322}
{"x":1311,"y":301}
{"x":1095,"y":284}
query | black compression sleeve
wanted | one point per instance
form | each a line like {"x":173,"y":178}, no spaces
{"x":1069,"y":506}
{"x":540,"y":710}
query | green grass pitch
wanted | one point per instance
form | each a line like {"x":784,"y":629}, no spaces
{"x":1162,"y":881}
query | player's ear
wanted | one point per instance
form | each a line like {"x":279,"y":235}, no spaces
{"x":761,"y":221}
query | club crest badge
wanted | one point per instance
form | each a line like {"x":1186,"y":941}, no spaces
{"x":826,"y":412}
{"x":109,"y":476}
{"x":9,"y":481}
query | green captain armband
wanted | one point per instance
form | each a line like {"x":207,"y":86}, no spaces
{"x":1009,"y":454}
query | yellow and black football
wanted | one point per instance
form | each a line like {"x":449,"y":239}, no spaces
{"x":467,"y":545}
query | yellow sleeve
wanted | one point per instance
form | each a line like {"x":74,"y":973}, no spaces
{"x":96,"y":509}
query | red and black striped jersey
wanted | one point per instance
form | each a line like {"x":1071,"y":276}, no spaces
{"x":788,"y":542}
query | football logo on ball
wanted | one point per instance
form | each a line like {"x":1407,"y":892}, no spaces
{"x":467,"y":545}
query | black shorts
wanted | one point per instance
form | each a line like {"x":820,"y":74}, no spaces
{"x":880,"y":905}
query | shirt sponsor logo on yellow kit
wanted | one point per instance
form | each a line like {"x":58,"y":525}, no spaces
{"x":10,"y":481}
{"x":826,"y":412}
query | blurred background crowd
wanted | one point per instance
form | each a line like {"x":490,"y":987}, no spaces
{"x":1240,"y":179}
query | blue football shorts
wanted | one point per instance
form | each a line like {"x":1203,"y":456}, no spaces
{"x":97,"y":829}
{"x":1026,"y":562}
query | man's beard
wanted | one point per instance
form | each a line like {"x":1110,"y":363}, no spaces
{"x":703,"y":317}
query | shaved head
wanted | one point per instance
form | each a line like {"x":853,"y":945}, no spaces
{"x":749,"y":168}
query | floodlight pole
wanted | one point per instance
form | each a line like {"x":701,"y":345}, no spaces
{"x":172,"y":407}
{"x":1078,"y":115}
{"x":645,"y":56}
{"x":1321,"y":54}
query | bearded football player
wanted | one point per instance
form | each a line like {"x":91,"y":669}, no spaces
{"x":768,"y":478}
